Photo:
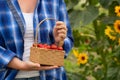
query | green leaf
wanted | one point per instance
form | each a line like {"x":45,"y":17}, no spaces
{"x":82,"y":18}
{"x":112,"y":73}
{"x":107,"y":3}
{"x":118,"y":76}
{"x":89,"y":15}
{"x":82,"y":48}
{"x":70,"y":3}
{"x":93,"y":2}
{"x":116,"y":0}
{"x":98,"y":74}
{"x":109,"y":19}
{"x":75,"y":18}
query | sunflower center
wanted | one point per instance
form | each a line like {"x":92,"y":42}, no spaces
{"x":119,"y":26}
{"x":83,"y":58}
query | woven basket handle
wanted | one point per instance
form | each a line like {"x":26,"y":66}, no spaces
{"x":37,"y":28}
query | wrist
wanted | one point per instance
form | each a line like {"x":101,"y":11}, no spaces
{"x":60,"y":43}
{"x":22,"y":65}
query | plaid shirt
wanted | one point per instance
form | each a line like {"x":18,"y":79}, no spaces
{"x":12,"y":42}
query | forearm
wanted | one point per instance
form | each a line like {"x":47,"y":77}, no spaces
{"x":16,"y":63}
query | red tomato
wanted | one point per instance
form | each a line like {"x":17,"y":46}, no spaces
{"x":40,"y":45}
{"x":45,"y":45}
{"x":48,"y":46}
{"x":60,"y":48}
{"x":53,"y":46}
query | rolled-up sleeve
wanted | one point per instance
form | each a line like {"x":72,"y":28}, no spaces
{"x":5,"y":57}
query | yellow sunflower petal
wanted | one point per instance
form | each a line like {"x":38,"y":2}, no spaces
{"x":75,"y":52}
{"x":117,"y":10}
{"x":117,"y":26}
{"x":118,"y":14}
{"x":119,"y":41}
{"x":108,"y":32}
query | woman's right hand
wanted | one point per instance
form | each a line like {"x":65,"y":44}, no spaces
{"x":16,"y":63}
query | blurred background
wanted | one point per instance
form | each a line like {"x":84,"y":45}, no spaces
{"x":96,"y":31}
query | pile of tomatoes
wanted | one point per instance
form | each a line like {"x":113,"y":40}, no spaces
{"x":46,"y":46}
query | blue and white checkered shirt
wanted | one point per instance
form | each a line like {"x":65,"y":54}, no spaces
{"x":12,"y":42}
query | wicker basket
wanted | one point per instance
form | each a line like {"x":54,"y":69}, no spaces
{"x":45,"y":56}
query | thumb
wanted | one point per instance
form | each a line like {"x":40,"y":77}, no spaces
{"x":37,"y":65}
{"x":32,"y":64}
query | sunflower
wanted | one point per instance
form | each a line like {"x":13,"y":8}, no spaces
{"x":82,"y":58}
{"x":108,"y":32}
{"x":117,"y":10}
{"x":117,"y":26}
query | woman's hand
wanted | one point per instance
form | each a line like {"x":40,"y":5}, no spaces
{"x":60,"y":33}
{"x":15,"y":63}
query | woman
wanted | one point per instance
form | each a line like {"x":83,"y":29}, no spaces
{"x":16,"y":40}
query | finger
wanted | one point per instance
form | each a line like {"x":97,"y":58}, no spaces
{"x":48,"y":67}
{"x":36,"y":66}
{"x":60,"y":23}
{"x":62,"y":36}
{"x":31,"y":66}
{"x":59,"y":31}
{"x":62,"y":31}
{"x":60,"y":27}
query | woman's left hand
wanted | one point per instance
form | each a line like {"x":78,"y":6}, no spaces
{"x":60,"y":33}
